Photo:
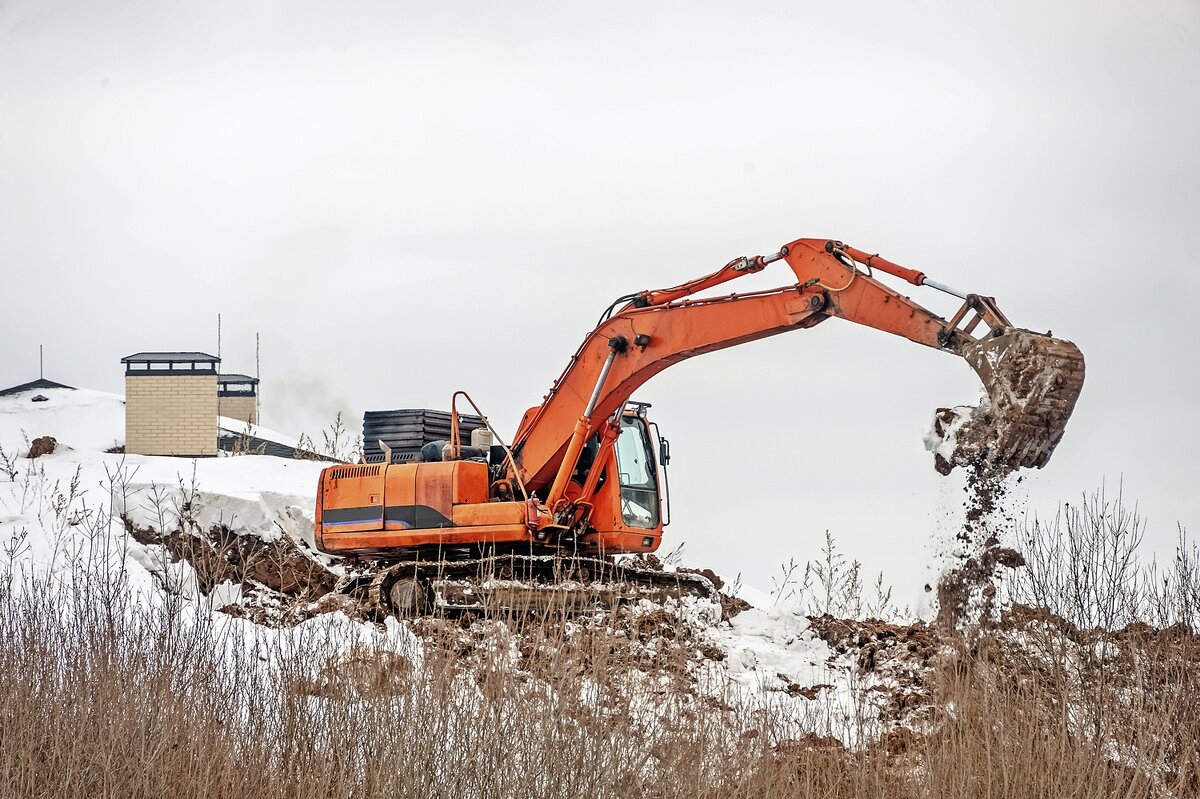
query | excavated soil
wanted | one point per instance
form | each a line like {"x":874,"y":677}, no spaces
{"x":967,"y":590}
{"x":1032,"y":382}
{"x":605,"y":645}
{"x":280,"y":584}
{"x":903,"y":655}
{"x":42,"y":446}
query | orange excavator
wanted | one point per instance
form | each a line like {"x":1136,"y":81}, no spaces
{"x":455,"y":525}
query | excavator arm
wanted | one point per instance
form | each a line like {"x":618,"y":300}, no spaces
{"x":1031,"y":379}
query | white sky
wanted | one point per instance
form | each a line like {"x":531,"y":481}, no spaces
{"x":409,"y":198}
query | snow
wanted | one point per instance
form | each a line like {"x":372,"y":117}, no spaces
{"x":80,"y":418}
{"x":946,"y":443}
{"x":764,"y":644}
{"x":757,"y":598}
{"x":50,"y":505}
{"x":237,"y":427}
{"x":773,"y":651}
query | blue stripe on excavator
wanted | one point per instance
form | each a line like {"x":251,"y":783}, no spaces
{"x":410,"y":516}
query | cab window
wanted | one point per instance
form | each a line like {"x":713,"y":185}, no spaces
{"x":639,"y":481}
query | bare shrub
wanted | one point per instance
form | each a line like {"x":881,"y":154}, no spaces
{"x":1085,"y":566}
{"x":1004,"y":733}
{"x":1174,"y":590}
{"x":1111,"y":640}
{"x":8,"y":464}
{"x":244,"y":443}
{"x":833,"y":585}
{"x":337,"y":444}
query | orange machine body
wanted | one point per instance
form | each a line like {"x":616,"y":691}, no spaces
{"x":387,"y":509}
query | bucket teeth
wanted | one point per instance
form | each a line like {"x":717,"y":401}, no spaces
{"x":1033,"y":382}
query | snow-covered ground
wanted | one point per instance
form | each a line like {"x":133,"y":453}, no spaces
{"x":239,"y":428}
{"x":56,"y":506}
{"x":80,"y":418}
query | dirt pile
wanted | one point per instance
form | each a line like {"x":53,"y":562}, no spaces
{"x":633,"y":642}
{"x":279,"y":583}
{"x":42,"y":446}
{"x":903,"y":656}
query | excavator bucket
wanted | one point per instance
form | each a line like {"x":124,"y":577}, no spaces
{"x":1032,"y":382}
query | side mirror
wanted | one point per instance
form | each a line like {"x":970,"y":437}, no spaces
{"x":664,"y":451}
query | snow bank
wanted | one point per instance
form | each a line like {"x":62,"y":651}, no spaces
{"x":79,"y":418}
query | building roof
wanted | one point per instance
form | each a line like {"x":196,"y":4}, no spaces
{"x":32,"y":386}
{"x":170,"y":357}
{"x":237,"y":378}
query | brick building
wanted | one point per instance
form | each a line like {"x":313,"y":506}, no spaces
{"x":171,"y":403}
{"x":237,"y":397}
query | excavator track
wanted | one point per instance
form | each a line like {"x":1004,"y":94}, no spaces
{"x":517,"y":584}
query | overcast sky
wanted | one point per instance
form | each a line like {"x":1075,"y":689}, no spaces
{"x":405,"y":199}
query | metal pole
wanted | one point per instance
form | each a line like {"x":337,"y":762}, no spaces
{"x":579,"y":434}
{"x":591,"y":406}
{"x":933,"y":284}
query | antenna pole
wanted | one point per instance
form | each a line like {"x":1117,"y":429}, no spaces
{"x":257,"y":376}
{"x":218,"y":337}
{"x":41,"y":364}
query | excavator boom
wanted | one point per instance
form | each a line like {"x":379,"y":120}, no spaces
{"x":1032,"y":380}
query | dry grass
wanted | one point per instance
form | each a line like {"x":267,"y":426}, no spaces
{"x":103,"y":697}
{"x":104,"y":693}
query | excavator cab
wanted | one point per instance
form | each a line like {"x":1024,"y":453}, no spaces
{"x":636,"y":467}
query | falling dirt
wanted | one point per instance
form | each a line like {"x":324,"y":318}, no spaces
{"x":967,"y":589}
{"x":1032,"y":382}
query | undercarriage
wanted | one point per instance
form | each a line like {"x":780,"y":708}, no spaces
{"x":515,"y":583}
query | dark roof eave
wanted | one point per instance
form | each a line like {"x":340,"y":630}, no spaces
{"x":170,"y":357}
{"x":237,"y":378}
{"x":33,"y":385}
